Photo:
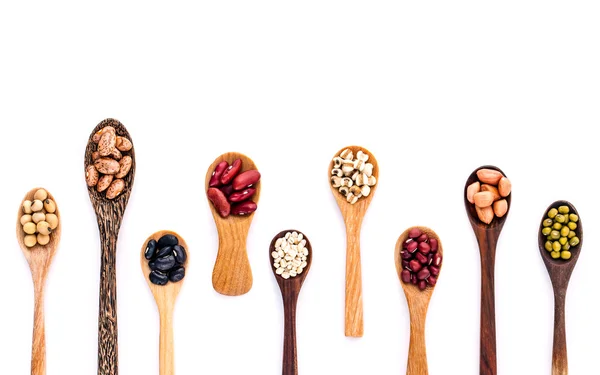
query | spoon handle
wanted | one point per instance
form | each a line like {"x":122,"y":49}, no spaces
{"x":487,"y":342}
{"x":354,"y":306}
{"x":290,"y":359}
{"x":417,"y":354}
{"x":166,"y":360}
{"x":559,"y":347}
{"x":232,"y":275}
{"x":108,"y":362}
{"x":38,"y":348}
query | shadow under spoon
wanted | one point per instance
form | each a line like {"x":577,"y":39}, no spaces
{"x":487,"y":237}
{"x":290,"y":289}
{"x":560,"y":271}
{"x":109,"y":215}
{"x":39,"y":258}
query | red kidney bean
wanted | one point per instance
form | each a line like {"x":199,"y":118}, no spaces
{"x":243,"y":208}
{"x":422,"y":238}
{"x":232,"y":171}
{"x":414,"y":233}
{"x":412,"y":246}
{"x":422,"y":284}
{"x":240,"y":196}
{"x":246,"y":179}
{"x":424,"y":247}
{"x":437,"y":260}
{"x":227,"y":189}
{"x":423,"y":274}
{"x":414,"y":265}
{"x":432,"y":280}
{"x":405,"y":274}
{"x":435,"y":271}
{"x":421,"y":258}
{"x":215,"y":179}
{"x":219,"y":200}
{"x":434,"y":244}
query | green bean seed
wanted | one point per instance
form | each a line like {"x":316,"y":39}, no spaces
{"x":555,"y":235}
{"x":560,"y":218}
{"x":552,"y":213}
{"x":574,"y":241}
{"x":563,"y":209}
{"x":571,"y":234}
{"x":546,"y":231}
{"x":548,"y":222}
{"x":563,"y":240}
{"x":555,"y":254}
{"x":565,"y":231}
{"x":572,"y":225}
{"x":557,"y":226}
{"x":574,"y":218}
{"x":556,"y":246}
{"x":548,"y":245}
{"x":565,"y":255}
{"x":566,"y":246}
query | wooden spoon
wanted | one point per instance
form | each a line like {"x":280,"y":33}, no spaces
{"x":109,"y":214}
{"x":39,"y":258}
{"x":418,"y":302}
{"x":165,"y":296}
{"x":353,"y":215}
{"x":487,"y":238}
{"x":560,"y":272}
{"x":290,"y":289}
{"x":232,"y":275}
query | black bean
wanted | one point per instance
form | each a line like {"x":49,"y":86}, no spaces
{"x":167,"y":240}
{"x":158,"y":278}
{"x":164,"y":263}
{"x":177,"y":274}
{"x":164,"y":251}
{"x":150,"y":249}
{"x":180,"y":254}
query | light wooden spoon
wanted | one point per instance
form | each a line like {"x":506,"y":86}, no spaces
{"x":109,"y":214}
{"x":290,"y":289}
{"x":232,"y":275}
{"x":39,"y":258}
{"x":353,"y":215}
{"x":418,"y":302}
{"x":165,"y":297}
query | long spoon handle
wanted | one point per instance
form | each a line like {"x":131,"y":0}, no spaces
{"x":108,"y":362}
{"x":354,"y":305}
{"x":38,"y":347}
{"x":487,"y":342}
{"x":290,"y":358}
{"x":167,"y":360}
{"x":559,"y":348}
{"x":417,"y":353}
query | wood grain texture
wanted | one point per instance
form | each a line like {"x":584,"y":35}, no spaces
{"x":290,"y":289}
{"x":353,"y":215}
{"x":418,"y":302}
{"x":232,"y":275}
{"x":109,"y":215}
{"x":487,"y":237}
{"x":560,"y":272}
{"x":39,"y":259}
{"x":165,"y":297}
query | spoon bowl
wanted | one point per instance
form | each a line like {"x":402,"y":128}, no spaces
{"x":353,"y":215}
{"x":487,"y":237}
{"x":109,"y":215}
{"x":232,"y":275}
{"x":165,"y":297}
{"x":560,"y":271}
{"x":39,"y":258}
{"x":290,"y":289}
{"x":418,"y":302}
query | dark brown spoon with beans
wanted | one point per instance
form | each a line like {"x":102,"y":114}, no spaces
{"x":487,"y":233}
{"x":560,"y":221}
{"x":109,"y":171}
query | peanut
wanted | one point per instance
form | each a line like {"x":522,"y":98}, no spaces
{"x":489,"y":176}
{"x":483,"y":199}
{"x":500,"y":207}
{"x":491,"y":189}
{"x":107,"y":166}
{"x":472,"y":189}
{"x":504,"y":186}
{"x":124,"y":166}
{"x":115,"y":189}
{"x":104,"y":182}
{"x":91,"y":176}
{"x":485,"y":214}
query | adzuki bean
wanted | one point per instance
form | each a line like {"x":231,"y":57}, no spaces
{"x":421,"y":261}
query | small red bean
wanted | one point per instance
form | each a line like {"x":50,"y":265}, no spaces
{"x":434,"y":244}
{"x":405,"y":274}
{"x":421,"y":258}
{"x":414,"y":265}
{"x":423,"y":274}
{"x":435,"y":271}
{"x":405,"y":254}
{"x":404,"y":264}
{"x":412,"y":247}
{"x":422,"y":284}
{"x":413,"y":279}
{"x":432,"y":280}
{"x":422,"y":238}
{"x":414,"y":233}
{"x":437,"y":260}
{"x":424,"y":248}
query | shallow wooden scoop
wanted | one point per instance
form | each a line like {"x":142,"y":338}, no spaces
{"x":165,"y":297}
{"x":418,"y":302}
{"x":39,"y":258}
{"x":487,"y":237}
{"x":109,"y":214}
{"x":353,"y":215}
{"x":290,"y":289}
{"x":560,"y":272}
{"x":232,"y":274}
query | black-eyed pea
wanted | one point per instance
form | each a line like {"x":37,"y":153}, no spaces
{"x":104,"y":182}
{"x":30,"y":240}
{"x":49,"y":206}
{"x":91,"y":176}
{"x":27,"y":207}
{"x":107,"y":166}
{"x":124,"y":166}
{"x":37,"y":205}
{"x":44,"y":228}
{"x":115,"y":188}
{"x":29,"y":228}
{"x":25,"y":219}
{"x":43,"y":239}
{"x":52,"y":219}
{"x":38,"y":216}
{"x":41,"y":195}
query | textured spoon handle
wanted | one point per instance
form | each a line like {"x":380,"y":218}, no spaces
{"x":417,"y":354}
{"x":232,"y":275}
{"x":167,"y":361}
{"x":290,"y":359}
{"x":559,"y":348}
{"x":38,"y":348}
{"x":354,"y":304}
{"x":108,"y":363}
{"x":487,"y":342}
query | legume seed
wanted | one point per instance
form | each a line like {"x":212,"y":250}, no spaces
{"x":150,"y":249}
{"x":167,"y":240}
{"x":158,"y":278}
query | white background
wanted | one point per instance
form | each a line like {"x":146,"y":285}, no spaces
{"x":434,"y":89}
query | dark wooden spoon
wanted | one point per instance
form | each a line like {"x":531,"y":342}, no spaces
{"x":560,"y":272}
{"x":109,"y":214}
{"x":290,"y":289}
{"x":487,"y":238}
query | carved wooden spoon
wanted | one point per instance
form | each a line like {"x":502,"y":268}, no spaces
{"x":290,"y":289}
{"x":353,"y":215}
{"x":109,"y":214}
{"x":165,"y":296}
{"x":418,"y":302}
{"x":39,"y":258}
{"x":232,"y":274}
{"x":487,"y":238}
{"x":560,"y":272}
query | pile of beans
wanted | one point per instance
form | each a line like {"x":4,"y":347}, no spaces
{"x":111,"y":163}
{"x":230,"y":190}
{"x":421,"y":261}
{"x":290,"y":255}
{"x":39,"y":219}
{"x":166,"y":259}
{"x":559,"y":228}
{"x":489,"y":193}
{"x":352,"y":177}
